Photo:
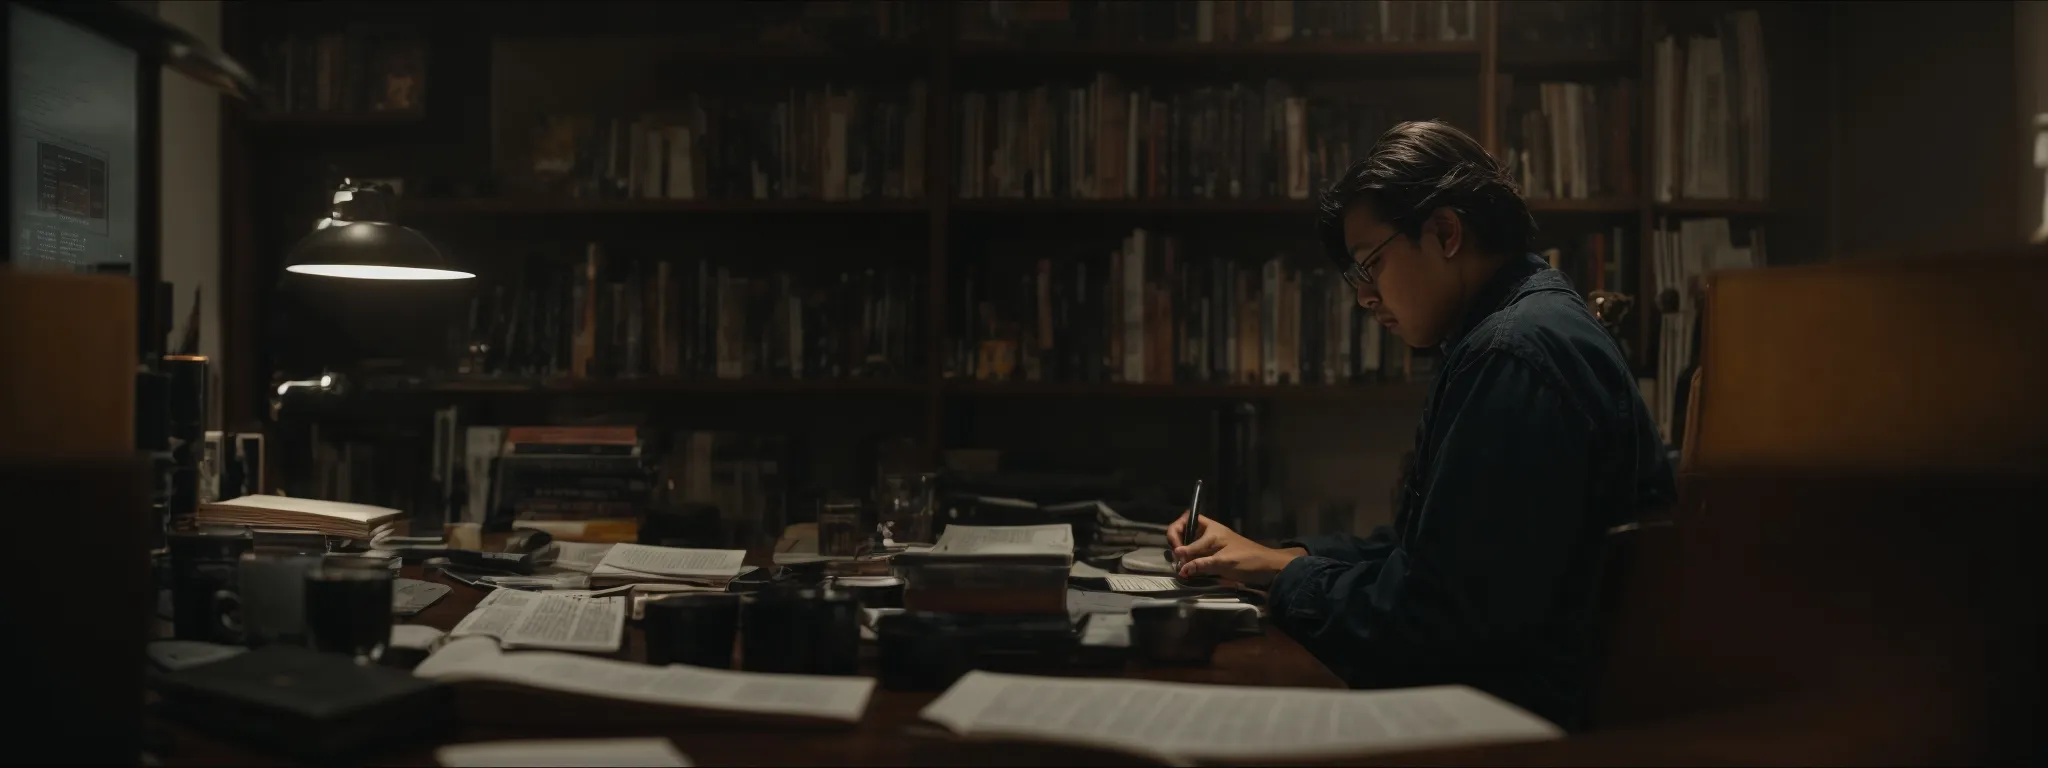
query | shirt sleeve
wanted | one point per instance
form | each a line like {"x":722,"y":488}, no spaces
{"x":1502,"y":509}
{"x":1348,"y":548}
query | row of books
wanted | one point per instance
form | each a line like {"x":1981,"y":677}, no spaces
{"x":825,"y":144}
{"x":1217,"y":21}
{"x":1146,"y":313}
{"x":1569,"y":25}
{"x":1596,"y":261}
{"x":1576,"y":142}
{"x":600,"y":319}
{"x":1712,"y":124}
{"x":356,"y":72}
{"x":1680,"y":253}
{"x":1111,"y":140}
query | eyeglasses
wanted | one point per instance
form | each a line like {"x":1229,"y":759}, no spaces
{"x":1360,"y":274}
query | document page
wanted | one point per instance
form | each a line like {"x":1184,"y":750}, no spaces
{"x":1055,"y":539}
{"x":578,"y":556}
{"x":616,"y":753}
{"x":841,"y":699}
{"x":674,"y":561}
{"x":1125,"y":583}
{"x":569,"y":622}
{"x":1229,"y":723}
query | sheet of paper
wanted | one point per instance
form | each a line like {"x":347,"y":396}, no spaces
{"x":577,"y":753}
{"x":674,"y":561}
{"x":1107,"y":630}
{"x":840,"y":699}
{"x":1127,"y":583}
{"x":563,"y":621}
{"x":1080,"y":602}
{"x":1229,"y":723}
{"x":418,"y":637}
{"x":579,"y":556}
{"x":1056,"y":538}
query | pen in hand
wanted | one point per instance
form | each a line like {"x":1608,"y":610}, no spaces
{"x":1193,"y":530}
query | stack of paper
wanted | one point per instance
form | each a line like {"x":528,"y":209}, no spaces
{"x":1002,"y":543}
{"x":1225,"y":723}
{"x":332,"y":518}
{"x":706,"y":569}
{"x":567,"y":621}
{"x":563,"y":753}
{"x":833,"y":698}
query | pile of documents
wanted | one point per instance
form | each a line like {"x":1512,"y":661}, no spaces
{"x":331,"y":518}
{"x":1112,"y":529}
{"x":1012,"y":569}
{"x":708,"y":570}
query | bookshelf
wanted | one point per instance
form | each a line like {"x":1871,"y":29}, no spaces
{"x":950,"y":65}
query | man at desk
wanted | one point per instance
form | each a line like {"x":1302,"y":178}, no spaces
{"x":1533,"y":443}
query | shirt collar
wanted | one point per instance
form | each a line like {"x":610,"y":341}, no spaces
{"x":1504,"y":285}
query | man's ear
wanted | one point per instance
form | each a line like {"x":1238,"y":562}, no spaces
{"x":1450,"y":230}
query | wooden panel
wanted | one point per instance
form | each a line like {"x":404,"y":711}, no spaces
{"x":1926,"y":365}
{"x":68,"y":390}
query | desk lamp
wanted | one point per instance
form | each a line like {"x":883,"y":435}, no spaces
{"x":357,"y":240}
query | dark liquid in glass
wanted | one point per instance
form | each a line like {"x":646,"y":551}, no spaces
{"x":349,"y":611}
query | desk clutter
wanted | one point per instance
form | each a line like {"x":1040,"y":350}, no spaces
{"x":979,"y":615}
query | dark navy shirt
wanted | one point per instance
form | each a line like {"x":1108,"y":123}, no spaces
{"x":1533,"y":442}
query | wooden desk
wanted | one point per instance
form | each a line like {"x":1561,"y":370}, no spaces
{"x":889,"y":734}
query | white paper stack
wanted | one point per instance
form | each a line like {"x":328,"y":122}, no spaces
{"x":708,"y":569}
{"x":1181,"y":721}
{"x":331,"y":518}
{"x":563,"y":620}
{"x":818,"y":697}
{"x":1002,"y":542}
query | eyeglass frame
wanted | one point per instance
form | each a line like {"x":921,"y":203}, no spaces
{"x":1359,"y":274}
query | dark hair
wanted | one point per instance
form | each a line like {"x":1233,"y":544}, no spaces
{"x":1417,"y":167}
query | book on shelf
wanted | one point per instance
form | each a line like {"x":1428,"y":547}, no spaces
{"x":1113,"y":139}
{"x":620,"y":318}
{"x":1146,"y":312}
{"x":1595,"y":261}
{"x":357,"y":71}
{"x":1218,"y":21}
{"x":1681,"y":253}
{"x":828,"y":143}
{"x":1573,"y":141}
{"x":1532,"y":29}
{"x":1711,"y":127}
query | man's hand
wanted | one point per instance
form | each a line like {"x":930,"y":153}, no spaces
{"x":1219,"y":551}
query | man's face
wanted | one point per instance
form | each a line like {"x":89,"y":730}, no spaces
{"x":1415,"y":288}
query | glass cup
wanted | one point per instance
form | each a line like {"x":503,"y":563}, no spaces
{"x":348,"y":611}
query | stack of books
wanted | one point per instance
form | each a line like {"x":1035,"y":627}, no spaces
{"x":997,"y":569}
{"x":330,"y":518}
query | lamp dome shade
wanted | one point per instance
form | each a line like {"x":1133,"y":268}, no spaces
{"x":370,"y":250}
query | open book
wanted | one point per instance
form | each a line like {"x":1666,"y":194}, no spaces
{"x":582,"y":621}
{"x":819,"y":697}
{"x":1182,"y":721}
{"x":332,"y":518}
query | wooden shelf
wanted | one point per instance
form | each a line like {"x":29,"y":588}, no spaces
{"x":657,"y":386}
{"x":1715,"y":207}
{"x":1588,"y":205}
{"x":1381,"y":392}
{"x":546,"y":206}
{"x":1180,"y":51}
{"x":1134,"y":206}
